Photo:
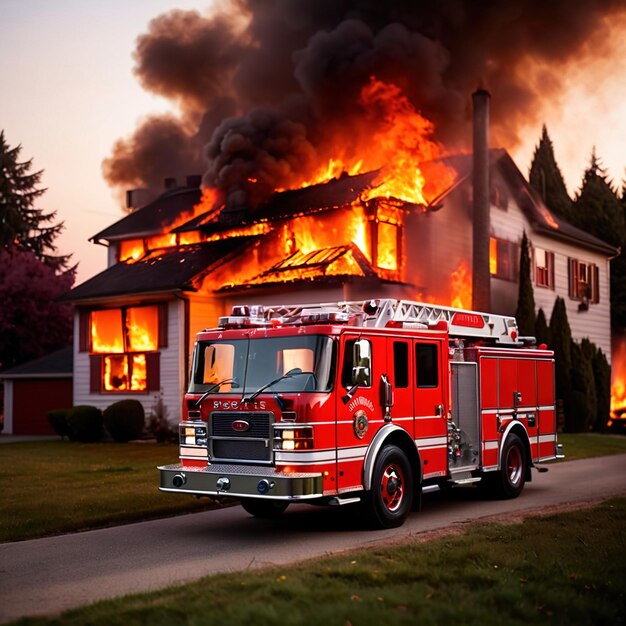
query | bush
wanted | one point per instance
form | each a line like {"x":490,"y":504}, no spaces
{"x":85,"y":423}
{"x":125,"y":420}
{"x":58,"y":420}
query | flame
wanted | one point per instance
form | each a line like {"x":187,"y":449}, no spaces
{"x":210,"y":205}
{"x":461,"y":285}
{"x":618,"y":380}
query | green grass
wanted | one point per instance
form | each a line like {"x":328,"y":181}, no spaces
{"x":566,"y":568}
{"x":51,"y":487}
{"x":581,"y":446}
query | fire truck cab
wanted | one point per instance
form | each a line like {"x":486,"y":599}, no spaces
{"x":373,"y":402}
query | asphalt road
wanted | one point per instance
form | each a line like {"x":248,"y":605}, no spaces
{"x":46,"y":576}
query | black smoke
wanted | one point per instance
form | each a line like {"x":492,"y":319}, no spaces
{"x":268,"y":89}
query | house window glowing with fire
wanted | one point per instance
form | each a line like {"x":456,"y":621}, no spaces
{"x":123,"y":344}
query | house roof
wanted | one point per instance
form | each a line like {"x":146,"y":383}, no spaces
{"x":153,"y":218}
{"x":337,"y":264}
{"x":327,"y":196}
{"x":540,"y":217}
{"x":57,"y":364}
{"x":160,"y":271}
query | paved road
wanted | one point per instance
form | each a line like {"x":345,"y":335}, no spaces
{"x":45,"y":576}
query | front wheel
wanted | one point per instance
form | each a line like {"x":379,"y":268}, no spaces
{"x":509,"y":480}
{"x":264,"y":509}
{"x":391,"y":497}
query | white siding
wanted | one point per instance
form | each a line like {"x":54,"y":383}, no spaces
{"x":594,"y":323}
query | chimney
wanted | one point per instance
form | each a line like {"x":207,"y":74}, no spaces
{"x":481,"y":279}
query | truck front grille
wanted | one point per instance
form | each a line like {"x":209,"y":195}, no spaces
{"x":241,"y":436}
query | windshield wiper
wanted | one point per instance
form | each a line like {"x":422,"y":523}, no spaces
{"x":290,"y":374}
{"x":215,"y":386}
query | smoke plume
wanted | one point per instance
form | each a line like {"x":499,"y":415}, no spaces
{"x":269,"y":90}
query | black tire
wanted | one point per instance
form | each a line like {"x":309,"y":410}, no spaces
{"x":509,"y":480}
{"x":264,"y":509}
{"x":390,"y":499}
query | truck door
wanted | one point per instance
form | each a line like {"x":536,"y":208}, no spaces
{"x":429,"y":407}
{"x":359,"y":412}
{"x":401,"y":377}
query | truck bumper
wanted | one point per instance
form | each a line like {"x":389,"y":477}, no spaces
{"x":240,"y":482}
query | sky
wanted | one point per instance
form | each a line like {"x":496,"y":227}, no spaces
{"x":68,"y":93}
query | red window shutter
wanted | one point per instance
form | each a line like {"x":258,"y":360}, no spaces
{"x":550,"y":261}
{"x":573,"y":278}
{"x":595,"y":284}
{"x":153,"y":371}
{"x":95,"y":373}
{"x":83,"y":330}
{"x":163,"y":325}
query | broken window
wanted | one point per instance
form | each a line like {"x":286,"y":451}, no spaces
{"x":123,"y":343}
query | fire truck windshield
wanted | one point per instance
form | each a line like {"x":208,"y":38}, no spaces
{"x":245,"y":366}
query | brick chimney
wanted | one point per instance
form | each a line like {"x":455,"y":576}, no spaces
{"x":481,"y":280}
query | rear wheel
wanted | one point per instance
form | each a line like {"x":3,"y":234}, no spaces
{"x":509,"y":480}
{"x":264,"y":509}
{"x":391,"y":497}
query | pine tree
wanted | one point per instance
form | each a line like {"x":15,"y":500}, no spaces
{"x":597,"y":208}
{"x":562,"y":346}
{"x":602,"y":377}
{"x":542,"y":331}
{"x":598,"y":211}
{"x":545,"y":176}
{"x":525,"y":313}
{"x":22,"y":225}
{"x":582,"y":409}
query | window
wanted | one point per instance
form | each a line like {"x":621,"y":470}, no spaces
{"x":584,"y":281}
{"x":544,"y":268}
{"x":503,"y":259}
{"x":123,"y":344}
{"x":426,"y":365}
{"x":387,"y":249}
{"x":401,"y":364}
{"x":357,"y":363}
{"x":244,"y":366}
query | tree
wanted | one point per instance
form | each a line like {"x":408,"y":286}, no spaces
{"x":22,"y":225}
{"x":598,"y":211}
{"x":582,"y":406}
{"x":562,"y":346}
{"x":545,"y":176}
{"x":525,"y":313}
{"x":602,"y":377}
{"x":32,"y":322}
{"x":542,"y":331}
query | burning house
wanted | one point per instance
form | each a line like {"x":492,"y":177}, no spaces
{"x":179,"y":262}
{"x":333,"y":138}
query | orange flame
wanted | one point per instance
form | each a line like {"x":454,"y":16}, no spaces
{"x":618,"y":379}
{"x":461,"y":284}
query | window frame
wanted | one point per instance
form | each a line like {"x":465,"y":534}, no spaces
{"x":587,"y":290}
{"x":544,"y":274}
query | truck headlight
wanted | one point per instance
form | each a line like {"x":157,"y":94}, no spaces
{"x":293,"y":438}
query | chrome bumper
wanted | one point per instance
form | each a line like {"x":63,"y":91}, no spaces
{"x":239,"y":481}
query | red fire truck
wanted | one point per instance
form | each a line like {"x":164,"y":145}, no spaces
{"x":373,"y":402}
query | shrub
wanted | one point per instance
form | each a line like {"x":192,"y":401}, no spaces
{"x":57,"y":418}
{"x":124,"y":420}
{"x":85,"y":423}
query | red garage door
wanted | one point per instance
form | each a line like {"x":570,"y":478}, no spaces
{"x":32,"y":399}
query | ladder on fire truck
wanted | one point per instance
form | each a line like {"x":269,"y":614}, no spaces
{"x":460,"y":323}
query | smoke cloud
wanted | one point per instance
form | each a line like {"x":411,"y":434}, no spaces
{"x":267,"y":90}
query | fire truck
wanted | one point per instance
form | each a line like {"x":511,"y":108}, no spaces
{"x":374,"y":402}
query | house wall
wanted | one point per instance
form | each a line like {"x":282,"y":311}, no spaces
{"x":594,"y":323}
{"x":172,"y":375}
{"x":438,"y":246}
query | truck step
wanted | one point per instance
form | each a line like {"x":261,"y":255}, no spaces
{"x":339,"y":501}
